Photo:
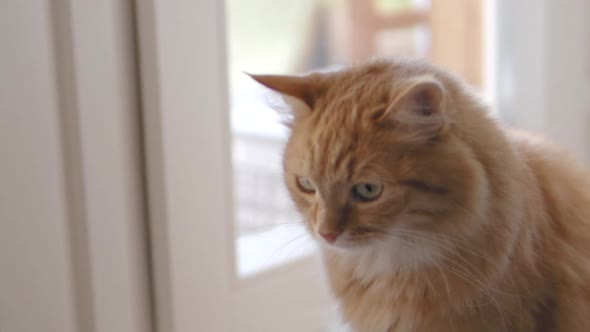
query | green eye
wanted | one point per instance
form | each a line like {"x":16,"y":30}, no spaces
{"x":305,"y":185}
{"x":366,"y":192}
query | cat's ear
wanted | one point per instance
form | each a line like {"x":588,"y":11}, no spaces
{"x":300,"y":92}
{"x":418,"y":108}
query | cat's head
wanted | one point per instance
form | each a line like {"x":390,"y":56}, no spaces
{"x":373,"y":154}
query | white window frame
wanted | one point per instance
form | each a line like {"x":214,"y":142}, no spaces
{"x":187,"y":140}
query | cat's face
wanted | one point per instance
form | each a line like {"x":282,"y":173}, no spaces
{"x":371,"y":158}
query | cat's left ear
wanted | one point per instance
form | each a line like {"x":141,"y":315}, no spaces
{"x":419,"y":108}
{"x":301,"y":92}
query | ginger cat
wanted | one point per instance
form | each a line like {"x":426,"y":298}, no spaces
{"x":432,"y":216}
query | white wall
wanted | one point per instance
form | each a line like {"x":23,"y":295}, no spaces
{"x":543,"y":69}
{"x":568,"y":80}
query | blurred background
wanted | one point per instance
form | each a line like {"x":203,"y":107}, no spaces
{"x":140,"y":168}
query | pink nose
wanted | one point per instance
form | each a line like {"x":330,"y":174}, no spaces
{"x":330,"y":237}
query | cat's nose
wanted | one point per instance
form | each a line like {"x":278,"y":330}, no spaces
{"x":330,"y":237}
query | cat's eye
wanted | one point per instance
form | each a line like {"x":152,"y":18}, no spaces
{"x":366,"y":192}
{"x":305,"y":185}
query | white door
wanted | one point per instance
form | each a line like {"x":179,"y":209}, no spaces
{"x":73,"y":250}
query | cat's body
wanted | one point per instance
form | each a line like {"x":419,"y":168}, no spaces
{"x":544,"y":284}
{"x":434,"y":218}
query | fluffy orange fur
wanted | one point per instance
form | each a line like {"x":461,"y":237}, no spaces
{"x":475,"y":227}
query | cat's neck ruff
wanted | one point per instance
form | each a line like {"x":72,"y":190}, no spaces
{"x":385,"y":258}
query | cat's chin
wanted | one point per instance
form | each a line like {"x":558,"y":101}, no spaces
{"x":347,"y":246}
{"x":375,"y":257}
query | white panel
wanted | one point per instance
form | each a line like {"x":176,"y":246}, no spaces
{"x":35,"y":272}
{"x":103,"y":67}
{"x":568,"y":87}
{"x":541,"y":83}
{"x":521,"y":67}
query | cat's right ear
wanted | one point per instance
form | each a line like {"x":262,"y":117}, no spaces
{"x":419,"y":108}
{"x":300,"y":92}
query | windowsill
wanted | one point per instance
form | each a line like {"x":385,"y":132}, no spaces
{"x":266,"y":250}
